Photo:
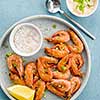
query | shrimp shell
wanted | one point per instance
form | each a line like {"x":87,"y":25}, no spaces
{"x":30,"y":73}
{"x":64,"y":62}
{"x":76,"y":63}
{"x":40,"y":87}
{"x":12,"y":60}
{"x":77,"y":47}
{"x":16,"y":79}
{"x":55,"y":91}
{"x":44,"y":70}
{"x":59,"y":37}
{"x":61,"y":75}
{"x":57,"y":51}
{"x":61,"y":85}
{"x":75,"y":85}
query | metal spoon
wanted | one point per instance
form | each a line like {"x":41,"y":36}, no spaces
{"x":54,"y":7}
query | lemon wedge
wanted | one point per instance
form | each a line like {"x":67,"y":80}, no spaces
{"x":21,"y":92}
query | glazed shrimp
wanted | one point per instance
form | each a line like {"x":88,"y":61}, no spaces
{"x":48,"y":61}
{"x":76,"y":63}
{"x":44,"y":70}
{"x":64,"y":64}
{"x":59,"y":37}
{"x":54,"y":90}
{"x":15,"y":78}
{"x":59,"y":87}
{"x":15,"y":64}
{"x":57,"y":51}
{"x":75,"y":85}
{"x":40,"y":87}
{"x":77,"y":47}
{"x":61,"y":75}
{"x":30,"y":74}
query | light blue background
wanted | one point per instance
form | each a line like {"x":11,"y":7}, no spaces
{"x":14,"y":10}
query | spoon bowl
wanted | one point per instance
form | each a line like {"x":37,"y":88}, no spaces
{"x":53,"y":6}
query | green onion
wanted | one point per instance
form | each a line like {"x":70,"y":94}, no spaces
{"x":63,"y":68}
{"x":81,"y":4}
{"x":9,"y":54}
{"x":55,"y":70}
{"x":14,"y":65}
{"x":54,"y":26}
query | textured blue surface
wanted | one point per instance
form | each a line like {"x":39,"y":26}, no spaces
{"x":14,"y":10}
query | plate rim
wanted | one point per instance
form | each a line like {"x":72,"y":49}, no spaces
{"x":65,"y":22}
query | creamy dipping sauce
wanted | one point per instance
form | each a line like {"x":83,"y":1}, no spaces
{"x":26,"y":39}
{"x":88,"y":7}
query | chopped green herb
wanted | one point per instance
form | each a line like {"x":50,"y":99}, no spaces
{"x":81,"y":8}
{"x":54,"y":26}
{"x":55,"y":70}
{"x":81,"y":4}
{"x":63,"y":68}
{"x":14,"y":65}
{"x":9,"y":54}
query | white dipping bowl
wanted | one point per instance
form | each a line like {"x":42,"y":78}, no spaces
{"x":84,"y":15}
{"x":11,"y":39}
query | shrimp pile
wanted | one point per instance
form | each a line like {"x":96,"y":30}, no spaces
{"x":59,"y":71}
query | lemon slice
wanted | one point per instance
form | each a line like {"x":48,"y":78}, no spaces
{"x":21,"y":92}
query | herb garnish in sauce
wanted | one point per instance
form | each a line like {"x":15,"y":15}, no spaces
{"x":81,"y":4}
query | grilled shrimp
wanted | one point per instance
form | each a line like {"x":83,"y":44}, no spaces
{"x":61,"y":75}
{"x":30,"y":74}
{"x":59,"y":87}
{"x":77,"y":47}
{"x":64,"y":64}
{"x":76,"y":63}
{"x":57,"y":51}
{"x":15,"y":64}
{"x":16,"y":79}
{"x":59,"y":37}
{"x":75,"y":85}
{"x":44,"y":70}
{"x":48,"y":61}
{"x":40,"y":87}
{"x":54,"y":90}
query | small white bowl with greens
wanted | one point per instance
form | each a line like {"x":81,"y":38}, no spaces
{"x":82,"y":8}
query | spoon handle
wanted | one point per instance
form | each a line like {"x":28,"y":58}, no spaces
{"x":78,"y":25}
